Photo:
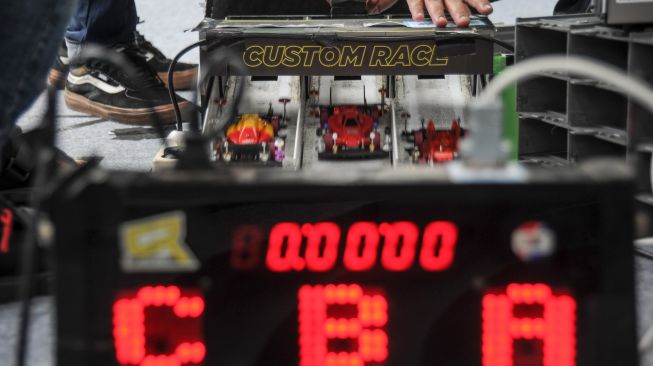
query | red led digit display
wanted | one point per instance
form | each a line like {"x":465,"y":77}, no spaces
{"x":158,"y":326}
{"x":284,"y":248}
{"x":361,"y":246}
{"x":438,"y":246}
{"x":315,"y":247}
{"x":400,"y":242}
{"x":341,"y":325}
{"x":548,"y":320}
{"x":321,"y":258}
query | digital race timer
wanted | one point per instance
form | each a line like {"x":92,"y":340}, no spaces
{"x":375,"y":274}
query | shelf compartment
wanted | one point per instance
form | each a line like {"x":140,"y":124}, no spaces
{"x":594,"y":107}
{"x":541,"y":139}
{"x":583,"y":147}
{"x":588,"y":43}
{"x":542,"y":94}
{"x":533,"y":41}
{"x":552,"y":118}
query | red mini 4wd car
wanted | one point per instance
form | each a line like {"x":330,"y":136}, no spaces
{"x":351,"y":131}
{"x":435,"y":146}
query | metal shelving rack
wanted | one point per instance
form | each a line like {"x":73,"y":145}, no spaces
{"x":564,"y":119}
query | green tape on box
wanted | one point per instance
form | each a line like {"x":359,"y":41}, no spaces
{"x":510,"y":117}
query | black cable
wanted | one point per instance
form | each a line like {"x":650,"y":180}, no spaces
{"x":171,"y":82}
{"x":225,"y":57}
{"x":28,"y":259}
{"x":195,"y":155}
{"x":45,"y":165}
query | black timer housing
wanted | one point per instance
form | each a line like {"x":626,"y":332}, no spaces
{"x":392,"y":268}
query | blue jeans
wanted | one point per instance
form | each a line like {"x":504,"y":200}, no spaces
{"x":30,"y":33}
{"x":102,"y":22}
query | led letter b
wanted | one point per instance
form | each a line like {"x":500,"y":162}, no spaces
{"x":319,"y":307}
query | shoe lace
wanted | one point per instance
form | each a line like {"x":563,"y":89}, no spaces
{"x":143,"y":44}
{"x":141,"y":76}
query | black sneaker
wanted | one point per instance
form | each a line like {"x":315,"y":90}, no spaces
{"x":184,"y":77}
{"x":185,"y":74}
{"x":101,"y":89}
{"x":59,"y":71}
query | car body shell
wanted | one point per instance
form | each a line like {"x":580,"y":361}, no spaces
{"x":252,"y":138}
{"x":251,"y":129}
{"x":352,"y":126}
{"x":435,"y":145}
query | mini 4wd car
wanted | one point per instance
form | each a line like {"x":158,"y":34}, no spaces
{"x":435,"y":146}
{"x":351,"y":132}
{"x":252,"y":138}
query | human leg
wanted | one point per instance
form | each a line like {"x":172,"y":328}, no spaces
{"x":101,"y":88}
{"x":30,"y":32}
{"x":101,"y":22}
{"x":111,"y":22}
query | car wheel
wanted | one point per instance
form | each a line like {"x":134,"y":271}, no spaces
{"x":328,"y":141}
{"x":419,"y":138}
{"x":324,"y":116}
{"x":374,"y":113}
{"x":217,"y":150}
{"x":415,"y":156}
{"x":377,"y":140}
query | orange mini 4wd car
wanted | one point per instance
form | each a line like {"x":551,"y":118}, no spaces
{"x":253,"y":138}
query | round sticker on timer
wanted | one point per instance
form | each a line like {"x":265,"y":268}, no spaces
{"x":533,"y":240}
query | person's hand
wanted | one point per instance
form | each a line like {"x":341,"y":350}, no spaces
{"x":459,"y":10}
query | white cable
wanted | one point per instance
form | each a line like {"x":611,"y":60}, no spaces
{"x":582,"y":66}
